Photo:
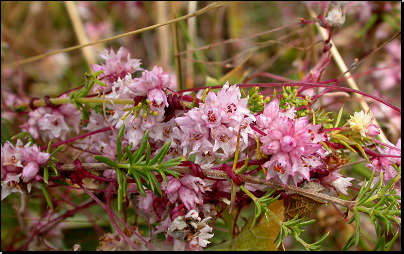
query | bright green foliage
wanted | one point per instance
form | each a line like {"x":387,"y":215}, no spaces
{"x":140,"y":166}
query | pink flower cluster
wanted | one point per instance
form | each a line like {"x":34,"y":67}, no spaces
{"x":293,"y":143}
{"x":20,"y":162}
{"x":385,"y":163}
{"x":209,"y":132}
{"x":151,"y":86}
{"x":52,"y":123}
{"x":211,"y":129}
{"x":115,"y":67}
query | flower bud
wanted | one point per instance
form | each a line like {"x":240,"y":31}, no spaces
{"x":373,"y":130}
{"x":29,"y":171}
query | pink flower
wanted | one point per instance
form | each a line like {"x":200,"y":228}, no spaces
{"x":19,"y":162}
{"x":115,"y":67}
{"x":384,"y":164}
{"x":158,"y":99}
{"x":151,"y":80}
{"x":29,"y":171}
{"x":152,"y":206}
{"x":337,"y":182}
{"x":52,"y":122}
{"x":53,"y":125}
{"x":32,"y":124}
{"x":188,"y":190}
{"x":217,"y":121}
{"x":291,"y":142}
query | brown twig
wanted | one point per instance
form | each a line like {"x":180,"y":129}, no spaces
{"x":245,"y":178}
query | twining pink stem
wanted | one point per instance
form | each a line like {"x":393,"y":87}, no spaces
{"x":78,"y":137}
{"x":111,"y":217}
{"x":117,"y":217}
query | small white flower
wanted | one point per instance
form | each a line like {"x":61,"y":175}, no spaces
{"x":360,"y":122}
{"x":336,"y":17}
{"x":342,"y":184}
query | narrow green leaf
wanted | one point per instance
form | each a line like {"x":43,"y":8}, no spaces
{"x":120,"y":199}
{"x":119,"y":177}
{"x":349,"y":244}
{"x":56,"y":150}
{"x":165,"y":150}
{"x":148,"y":153}
{"x":140,"y":151}
{"x":49,"y":146}
{"x":363,"y":192}
{"x":95,"y":74}
{"x":387,"y":187}
{"x":46,"y":194}
{"x":155,"y":182}
{"x":129,"y":154}
{"x":358,"y":145}
{"x":357,"y":220}
{"x":171,"y":172}
{"x":45,"y":175}
{"x":140,"y":161}
{"x":380,"y":244}
{"x":99,"y":82}
{"x":160,"y":154}
{"x":339,"y":117}
{"x":50,"y":163}
{"x":323,"y":237}
{"x":61,"y":182}
{"x":106,"y":160}
{"x":163,"y":175}
{"x":150,"y":181}
{"x":347,"y":146}
{"x":381,"y":202}
{"x":390,"y":244}
{"x":124,"y":185}
{"x":139,"y":184}
{"x":119,"y":143}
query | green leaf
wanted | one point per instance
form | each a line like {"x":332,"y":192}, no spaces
{"x":61,"y":182}
{"x":120,"y":199}
{"x":138,"y":183}
{"x":50,"y":163}
{"x":139,"y":152}
{"x":347,"y":146}
{"x":390,"y":244}
{"x":99,"y":82}
{"x":56,"y":150}
{"x":380,"y":244}
{"x":339,"y":117}
{"x":124,"y":185}
{"x":171,"y":172}
{"x":161,"y":154}
{"x":148,"y":153}
{"x":154,"y":181}
{"x":170,"y":163}
{"x":49,"y":147}
{"x":119,"y":143}
{"x":129,"y":154}
{"x":358,"y":145}
{"x":95,"y":74}
{"x":46,"y":194}
{"x":119,"y":177}
{"x":349,"y":244}
{"x":45,"y":175}
{"x":163,"y":175}
{"x":106,"y":160}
